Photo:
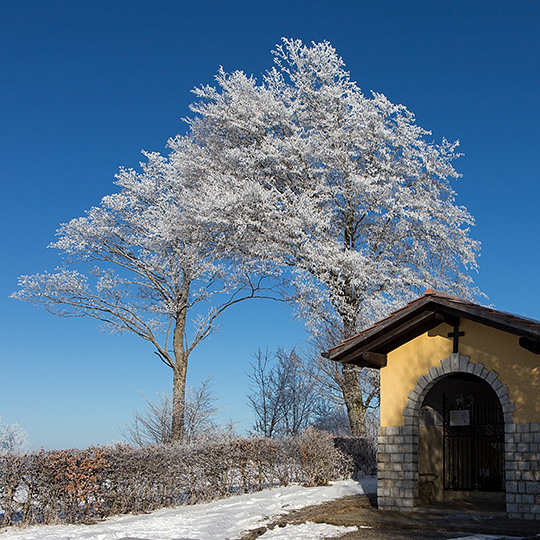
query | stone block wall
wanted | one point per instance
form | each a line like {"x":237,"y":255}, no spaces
{"x":398,"y":447}
{"x":522,"y":464}
{"x":397,"y":467}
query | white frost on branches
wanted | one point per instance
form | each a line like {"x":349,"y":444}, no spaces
{"x":154,"y":251}
{"x":350,"y":193}
{"x":160,"y":259}
{"x":299,"y":173}
{"x":13,"y":439}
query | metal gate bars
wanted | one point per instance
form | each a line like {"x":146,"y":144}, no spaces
{"x":473,"y":445}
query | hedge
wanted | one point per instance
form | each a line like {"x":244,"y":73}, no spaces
{"x":81,"y":486}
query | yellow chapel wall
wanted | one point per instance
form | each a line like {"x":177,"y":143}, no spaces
{"x":499,"y":351}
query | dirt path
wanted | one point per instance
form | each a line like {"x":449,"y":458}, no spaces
{"x":361,"y":511}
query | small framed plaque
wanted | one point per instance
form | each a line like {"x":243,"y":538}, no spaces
{"x":459,"y":418}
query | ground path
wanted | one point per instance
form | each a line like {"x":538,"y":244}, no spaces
{"x":345,"y":510}
{"x":372,"y":524}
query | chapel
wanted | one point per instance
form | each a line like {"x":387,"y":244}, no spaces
{"x":459,"y":405}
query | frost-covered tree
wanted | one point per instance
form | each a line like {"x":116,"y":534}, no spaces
{"x":282,"y":394}
{"x":349,"y":191}
{"x":13,"y":439}
{"x":154,"y":424}
{"x":155,"y":259}
{"x":331,"y":379}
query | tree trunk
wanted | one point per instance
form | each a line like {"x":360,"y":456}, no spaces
{"x":179,"y":399}
{"x":354,"y":400}
{"x":180,"y":368}
{"x":351,"y":382}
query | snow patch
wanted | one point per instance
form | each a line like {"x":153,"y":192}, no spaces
{"x":219,"y":520}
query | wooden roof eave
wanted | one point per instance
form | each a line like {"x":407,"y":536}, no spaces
{"x":499,"y":321}
{"x":373,"y":349}
{"x":387,"y":324}
{"x":369,"y":349}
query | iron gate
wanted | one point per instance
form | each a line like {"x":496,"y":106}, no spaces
{"x":473,"y":446}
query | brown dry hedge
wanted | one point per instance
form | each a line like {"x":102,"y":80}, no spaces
{"x":78,"y":486}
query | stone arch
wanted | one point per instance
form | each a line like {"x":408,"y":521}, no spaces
{"x":456,"y":363}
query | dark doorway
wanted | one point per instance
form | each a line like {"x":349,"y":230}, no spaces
{"x":466,"y":417}
{"x":473,"y":445}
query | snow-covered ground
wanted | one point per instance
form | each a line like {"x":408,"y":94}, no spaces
{"x":218,"y":520}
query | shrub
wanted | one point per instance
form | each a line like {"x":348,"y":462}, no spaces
{"x":362,"y":452}
{"x":75,"y":486}
{"x":321,"y":460}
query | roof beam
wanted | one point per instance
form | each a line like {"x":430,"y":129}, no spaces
{"x":530,"y":345}
{"x":499,"y":321}
{"x":370,"y":347}
{"x":349,"y":352}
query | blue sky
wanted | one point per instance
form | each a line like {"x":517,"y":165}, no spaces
{"x":86,"y":86}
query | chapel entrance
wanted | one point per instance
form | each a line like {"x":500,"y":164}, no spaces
{"x":461,"y":441}
{"x":473,"y":445}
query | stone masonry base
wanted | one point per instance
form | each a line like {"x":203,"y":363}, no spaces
{"x":398,"y":446}
{"x":522,"y":464}
{"x":398,"y":469}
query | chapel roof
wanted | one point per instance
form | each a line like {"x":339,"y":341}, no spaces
{"x":370,"y":347}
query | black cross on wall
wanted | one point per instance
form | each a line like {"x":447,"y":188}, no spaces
{"x":456,"y":334}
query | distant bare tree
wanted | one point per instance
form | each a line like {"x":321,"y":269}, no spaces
{"x":200,"y":411}
{"x":331,"y":418}
{"x":282,"y":394}
{"x":264,"y":397}
{"x":335,"y":382}
{"x":154,"y":424}
{"x":13,"y":439}
{"x":151,"y":426}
